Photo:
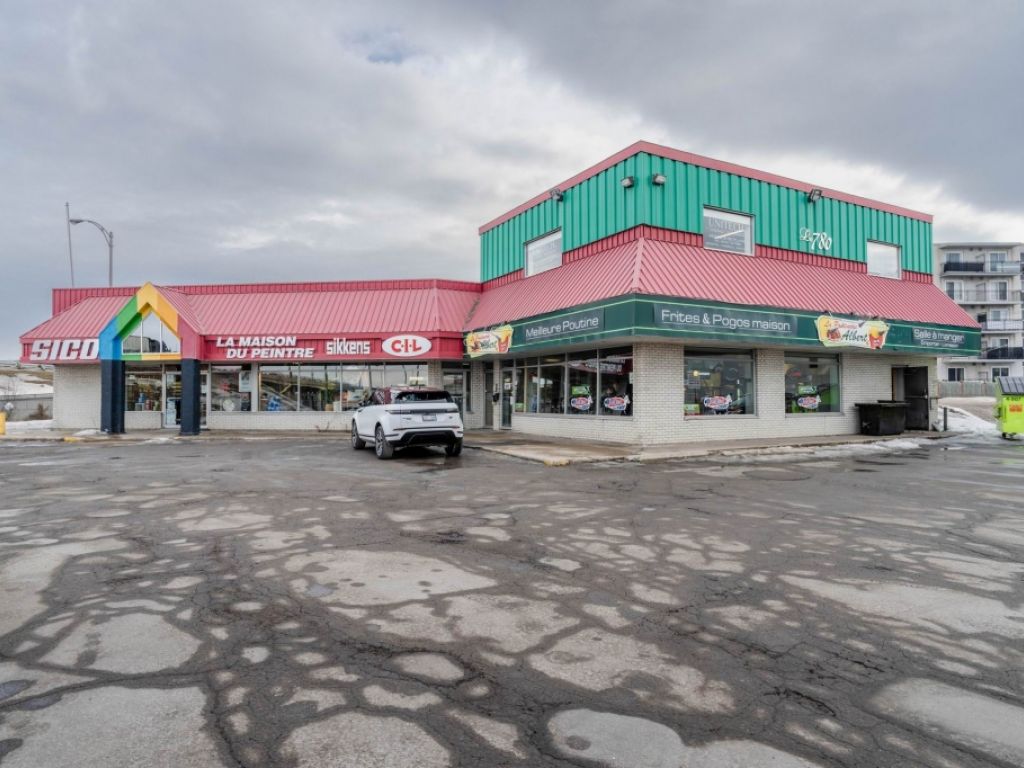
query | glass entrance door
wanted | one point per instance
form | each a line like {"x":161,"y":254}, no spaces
{"x":508,"y":392}
{"x":454,"y":380}
{"x":172,"y":398}
{"x":488,"y":404}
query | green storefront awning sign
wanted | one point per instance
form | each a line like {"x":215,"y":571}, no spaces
{"x":726,"y":323}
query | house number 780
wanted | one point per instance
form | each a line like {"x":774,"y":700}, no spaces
{"x":822,"y":240}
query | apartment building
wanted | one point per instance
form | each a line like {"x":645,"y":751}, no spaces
{"x":985,"y":279}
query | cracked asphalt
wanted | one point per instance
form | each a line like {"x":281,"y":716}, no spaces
{"x":288,"y":602}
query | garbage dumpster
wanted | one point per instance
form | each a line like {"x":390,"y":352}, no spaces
{"x":886,"y":417}
{"x":1010,"y":404}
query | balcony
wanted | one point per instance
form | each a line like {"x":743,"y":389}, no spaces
{"x":983,"y":296}
{"x":1002,"y":353}
{"x":991,"y":326}
{"x":981,"y":268}
{"x":993,"y":353}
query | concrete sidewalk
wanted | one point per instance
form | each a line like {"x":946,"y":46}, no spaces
{"x":555,"y":453}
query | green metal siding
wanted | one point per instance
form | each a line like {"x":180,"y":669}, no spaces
{"x":600,"y":206}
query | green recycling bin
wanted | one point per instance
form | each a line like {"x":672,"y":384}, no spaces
{"x":1010,"y":405}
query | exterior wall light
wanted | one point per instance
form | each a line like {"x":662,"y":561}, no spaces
{"x":556,"y":194}
{"x":814,"y":195}
{"x":658,"y":179}
{"x":627,"y":182}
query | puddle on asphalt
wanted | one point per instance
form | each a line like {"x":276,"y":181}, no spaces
{"x":40,"y":702}
{"x":318,"y":590}
{"x":447,"y":537}
{"x":13,"y":688}
{"x":439,"y":468}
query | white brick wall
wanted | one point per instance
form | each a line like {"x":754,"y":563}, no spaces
{"x":610,"y":429}
{"x":312,"y":421}
{"x":76,"y":396}
{"x":658,"y":398}
{"x":474,"y":418}
{"x":142,"y":420}
{"x":434,"y":376}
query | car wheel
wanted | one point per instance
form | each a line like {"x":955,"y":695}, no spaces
{"x":357,"y":442}
{"x":381,"y":446}
{"x":455,"y":448}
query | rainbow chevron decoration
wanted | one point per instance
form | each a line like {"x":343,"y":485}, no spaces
{"x":146,"y":301}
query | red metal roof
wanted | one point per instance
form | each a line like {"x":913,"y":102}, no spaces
{"x":429,"y":310}
{"x":431,"y":307}
{"x":658,"y":268}
{"x":705,"y":162}
{"x":84,"y":320}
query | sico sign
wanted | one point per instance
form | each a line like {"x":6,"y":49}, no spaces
{"x":64,"y":350}
{"x":405,"y":345}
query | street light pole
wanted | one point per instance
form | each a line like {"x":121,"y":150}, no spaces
{"x":109,"y":237}
{"x":71,"y":258}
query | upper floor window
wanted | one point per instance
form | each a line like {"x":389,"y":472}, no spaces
{"x":883,"y":259}
{"x":997,"y":256}
{"x":544,"y":253}
{"x":725,"y":231}
{"x":953,"y":257}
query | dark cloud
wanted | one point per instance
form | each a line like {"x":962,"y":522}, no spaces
{"x":247,"y":141}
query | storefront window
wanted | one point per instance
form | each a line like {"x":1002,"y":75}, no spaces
{"x":232,"y":388}
{"x":719,"y":383}
{"x":531,"y":385}
{"x":590,"y":383}
{"x":321,"y":388}
{"x":142,"y":389}
{"x":583,"y":383}
{"x":318,"y":388}
{"x":812,"y":384}
{"x":616,"y":371}
{"x":355,"y":386}
{"x":454,"y":383}
{"x":551,"y":385}
{"x":279,"y":388}
{"x":409,"y":374}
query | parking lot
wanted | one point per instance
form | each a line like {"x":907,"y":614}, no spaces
{"x":287,"y":602}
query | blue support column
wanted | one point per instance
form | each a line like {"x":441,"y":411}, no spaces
{"x":112,"y":396}
{"x":191,"y":396}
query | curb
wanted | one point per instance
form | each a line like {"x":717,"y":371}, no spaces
{"x":798,"y":450}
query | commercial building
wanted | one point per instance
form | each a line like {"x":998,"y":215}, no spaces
{"x":657,"y":296}
{"x":985,"y":279}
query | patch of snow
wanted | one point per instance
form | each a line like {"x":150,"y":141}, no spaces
{"x":964,"y":716}
{"x":25,"y":384}
{"x":963,"y":422}
{"x":786,"y":453}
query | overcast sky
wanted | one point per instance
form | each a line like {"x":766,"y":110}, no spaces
{"x":256,"y":141}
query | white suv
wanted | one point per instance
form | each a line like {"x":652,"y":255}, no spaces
{"x":397,"y":417}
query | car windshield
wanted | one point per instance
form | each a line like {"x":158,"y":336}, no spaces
{"x":423,"y":397}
